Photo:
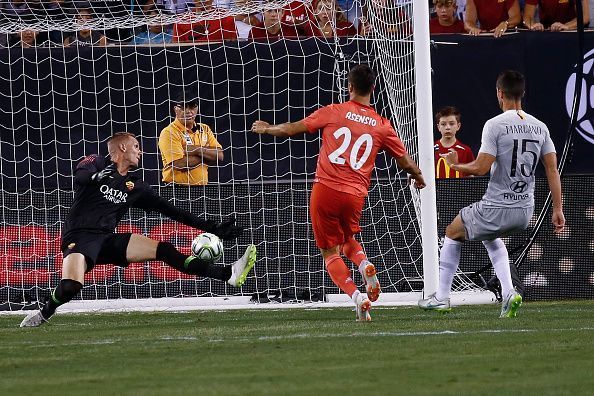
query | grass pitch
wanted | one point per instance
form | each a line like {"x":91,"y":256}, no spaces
{"x":547,"y":350}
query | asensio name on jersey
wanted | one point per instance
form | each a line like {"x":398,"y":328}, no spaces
{"x":352,"y":136}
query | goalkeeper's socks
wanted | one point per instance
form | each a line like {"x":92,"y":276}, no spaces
{"x":449,"y":259}
{"x":67,"y":289}
{"x":500,"y":260}
{"x":340,"y":274}
{"x":191,"y":265}
{"x":195,"y":266}
{"x":354,"y":251}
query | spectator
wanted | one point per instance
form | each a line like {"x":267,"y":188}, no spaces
{"x":491,"y":16}
{"x":26,"y":38}
{"x":85,"y":36}
{"x":58,"y":12}
{"x":243,"y":20}
{"x":351,"y":9}
{"x":296,"y":14}
{"x":328,"y":17}
{"x":205,"y":30}
{"x":188,"y":147}
{"x":557,"y":15}
{"x":448,"y":125}
{"x":446,"y":21}
{"x":15,"y":7}
{"x":390,"y":18}
{"x":271,"y":28}
{"x":155,"y":33}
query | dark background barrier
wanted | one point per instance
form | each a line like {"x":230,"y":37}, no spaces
{"x":556,"y":267}
{"x":50,"y":120}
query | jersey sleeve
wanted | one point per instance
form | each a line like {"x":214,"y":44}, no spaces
{"x":151,"y":201}
{"x":548,"y":146}
{"x":148,"y":198}
{"x":468,"y":155}
{"x":87,"y":167}
{"x":211,"y":140}
{"x":171,"y":146}
{"x":92,"y":163}
{"x":318,"y":119}
{"x":392,"y":144}
{"x":489,"y":140}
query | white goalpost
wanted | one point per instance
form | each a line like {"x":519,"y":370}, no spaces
{"x":59,"y":104}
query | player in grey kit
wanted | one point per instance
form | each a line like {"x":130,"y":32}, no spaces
{"x":512,"y":144}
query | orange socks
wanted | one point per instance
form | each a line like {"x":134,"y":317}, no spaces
{"x":340,"y":274}
{"x":354,"y":251}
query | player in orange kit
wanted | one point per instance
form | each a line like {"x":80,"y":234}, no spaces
{"x":352,"y":135}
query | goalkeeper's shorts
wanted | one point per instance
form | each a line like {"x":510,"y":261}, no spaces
{"x":334,"y":215}
{"x":97,"y":247}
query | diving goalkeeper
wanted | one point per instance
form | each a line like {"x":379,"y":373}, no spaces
{"x":104,"y":191}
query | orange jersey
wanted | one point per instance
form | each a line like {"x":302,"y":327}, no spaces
{"x":352,"y":135}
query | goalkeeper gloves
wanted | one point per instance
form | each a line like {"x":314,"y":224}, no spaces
{"x":226,"y":230}
{"x":102,"y":174}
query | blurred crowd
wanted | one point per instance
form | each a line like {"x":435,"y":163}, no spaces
{"x":498,"y":17}
{"x":187,"y":21}
{"x":197,"y":21}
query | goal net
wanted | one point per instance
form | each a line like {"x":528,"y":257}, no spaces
{"x":59,"y":103}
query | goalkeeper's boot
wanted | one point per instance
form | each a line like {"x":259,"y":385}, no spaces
{"x":372,"y":285}
{"x":363,"y":308}
{"x":510,"y":305}
{"x":241,"y":268}
{"x":431,"y":303}
{"x":33,"y":319}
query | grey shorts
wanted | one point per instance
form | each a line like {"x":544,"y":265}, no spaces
{"x":485,"y":223}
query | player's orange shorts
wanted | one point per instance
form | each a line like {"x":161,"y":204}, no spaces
{"x":334,"y":215}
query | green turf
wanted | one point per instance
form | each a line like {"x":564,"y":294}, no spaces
{"x":547,"y":350}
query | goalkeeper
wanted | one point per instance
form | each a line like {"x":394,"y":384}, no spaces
{"x":104,"y":191}
{"x":352,"y":135}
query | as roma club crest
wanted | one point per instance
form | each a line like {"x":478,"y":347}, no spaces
{"x":129,"y":185}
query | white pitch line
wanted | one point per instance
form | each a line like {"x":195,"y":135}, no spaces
{"x":404,"y":334}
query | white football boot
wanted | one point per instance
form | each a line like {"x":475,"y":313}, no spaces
{"x":241,"y":268}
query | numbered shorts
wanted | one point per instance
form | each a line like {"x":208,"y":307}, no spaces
{"x":98,"y":248}
{"x":485,"y":223}
{"x":334,"y":215}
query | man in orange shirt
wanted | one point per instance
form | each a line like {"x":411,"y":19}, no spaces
{"x":188,"y":147}
{"x":352,"y":135}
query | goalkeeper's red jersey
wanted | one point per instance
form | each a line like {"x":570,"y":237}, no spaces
{"x":352,"y":135}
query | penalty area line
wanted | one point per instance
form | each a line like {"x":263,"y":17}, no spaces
{"x":400,"y":334}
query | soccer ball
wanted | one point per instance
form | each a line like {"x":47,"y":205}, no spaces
{"x":207,"y":247}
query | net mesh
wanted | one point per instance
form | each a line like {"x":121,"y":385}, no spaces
{"x":62,"y":102}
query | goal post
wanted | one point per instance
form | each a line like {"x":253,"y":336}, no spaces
{"x":59,"y":104}
{"x":425,"y":127}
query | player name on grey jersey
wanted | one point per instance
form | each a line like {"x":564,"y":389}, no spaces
{"x":518,"y":141}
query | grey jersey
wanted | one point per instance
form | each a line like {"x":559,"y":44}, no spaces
{"x":518,"y":141}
